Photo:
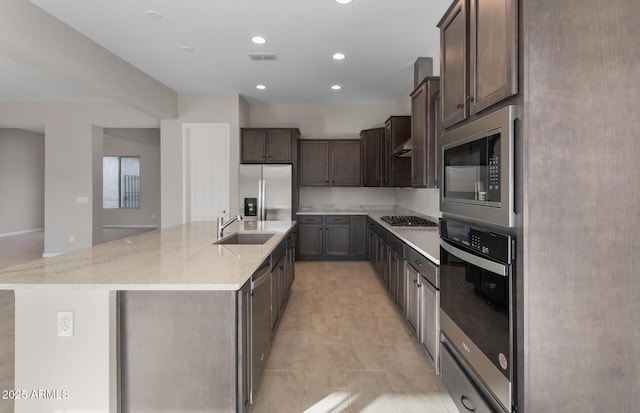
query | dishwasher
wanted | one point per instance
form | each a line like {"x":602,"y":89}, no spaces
{"x":260,"y":323}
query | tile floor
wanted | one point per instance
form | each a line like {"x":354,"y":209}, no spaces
{"x":342,"y":346}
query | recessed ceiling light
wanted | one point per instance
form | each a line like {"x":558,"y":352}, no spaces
{"x":344,"y":1}
{"x":258,"y":40}
{"x":261,"y":87}
{"x":187,"y":49}
{"x":339,"y":56}
{"x":336,"y":87}
{"x":152,"y":14}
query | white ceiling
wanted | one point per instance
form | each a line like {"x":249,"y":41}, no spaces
{"x":381,"y":39}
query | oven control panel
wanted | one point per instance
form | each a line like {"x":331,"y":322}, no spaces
{"x":481,"y":241}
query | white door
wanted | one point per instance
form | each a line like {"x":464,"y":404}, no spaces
{"x":207,"y":166}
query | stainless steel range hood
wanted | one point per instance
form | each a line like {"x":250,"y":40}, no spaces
{"x":404,"y":150}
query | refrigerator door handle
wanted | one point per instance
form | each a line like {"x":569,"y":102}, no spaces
{"x":264,"y":199}
{"x":260,"y":200}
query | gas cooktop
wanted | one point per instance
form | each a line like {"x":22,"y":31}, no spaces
{"x":407,"y":221}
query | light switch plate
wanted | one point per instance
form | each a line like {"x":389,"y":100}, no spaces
{"x":65,"y":323}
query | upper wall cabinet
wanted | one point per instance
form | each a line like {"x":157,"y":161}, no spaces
{"x":267,"y":145}
{"x":372,"y":156}
{"x":425,"y":130}
{"x":487,"y":72}
{"x":329,"y":162}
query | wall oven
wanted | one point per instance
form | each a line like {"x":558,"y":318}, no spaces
{"x":477,"y":165}
{"x":477,"y":319}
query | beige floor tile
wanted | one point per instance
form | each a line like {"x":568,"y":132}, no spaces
{"x":288,"y":354}
{"x":325,"y":378}
{"x":325,"y":401}
{"x":326,"y":355}
{"x":370,"y":392}
{"x":419,"y":400}
{"x":280,"y":392}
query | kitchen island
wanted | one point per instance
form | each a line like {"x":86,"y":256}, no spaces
{"x":154,"y":321}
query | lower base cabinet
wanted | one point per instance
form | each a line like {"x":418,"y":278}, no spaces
{"x":331,"y":237}
{"x":219,"y":340}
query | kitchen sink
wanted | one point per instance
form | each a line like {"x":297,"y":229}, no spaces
{"x":246,"y":238}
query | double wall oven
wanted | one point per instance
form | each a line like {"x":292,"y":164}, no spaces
{"x":477,"y":256}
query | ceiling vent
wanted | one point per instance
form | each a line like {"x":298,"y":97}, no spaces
{"x":263,"y":56}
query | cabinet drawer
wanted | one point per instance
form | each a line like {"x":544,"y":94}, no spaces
{"x":397,"y":245}
{"x":310,"y":219}
{"x":462,"y":390}
{"x":336,"y":219}
{"x":424,"y":266}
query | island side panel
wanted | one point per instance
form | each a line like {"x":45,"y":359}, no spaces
{"x":65,"y":373}
{"x":7,"y":342}
{"x":177,"y":351}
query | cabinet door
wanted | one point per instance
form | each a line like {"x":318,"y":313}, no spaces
{"x":345,"y":163}
{"x":387,"y":154}
{"x":282,"y":282}
{"x":412,"y":298}
{"x":253,"y":146}
{"x":310,"y":240}
{"x":493,"y":54}
{"x":314,"y":163}
{"x":393,"y":275}
{"x":419,"y":136}
{"x":279,"y":146}
{"x":336,"y":240}
{"x":402,"y":287}
{"x":429,"y":326}
{"x":372,"y":165}
{"x":358,"y":234}
{"x":453,"y":35}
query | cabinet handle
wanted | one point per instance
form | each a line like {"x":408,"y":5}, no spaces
{"x":459,"y":106}
{"x":418,"y":263}
{"x":470,"y":99}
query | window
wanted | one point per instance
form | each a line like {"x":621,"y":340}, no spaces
{"x":121,"y":182}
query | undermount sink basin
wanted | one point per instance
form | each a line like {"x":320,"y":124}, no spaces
{"x":242,"y":238}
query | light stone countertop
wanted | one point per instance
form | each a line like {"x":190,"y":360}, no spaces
{"x":426,"y":241}
{"x":182,"y":257}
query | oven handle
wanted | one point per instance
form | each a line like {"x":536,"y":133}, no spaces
{"x":483,"y":263}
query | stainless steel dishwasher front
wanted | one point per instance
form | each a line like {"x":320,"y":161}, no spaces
{"x":260,"y":323}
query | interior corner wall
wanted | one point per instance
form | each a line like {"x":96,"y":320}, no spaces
{"x":21,"y":180}
{"x":96,"y":166}
{"x":149,"y":212}
{"x":195,"y":108}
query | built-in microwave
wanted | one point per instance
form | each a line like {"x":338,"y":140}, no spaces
{"x":477,"y":169}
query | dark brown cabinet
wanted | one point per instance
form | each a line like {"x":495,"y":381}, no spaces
{"x":486,"y":72}
{"x":267,"y":145}
{"x":397,"y":170}
{"x":372,"y":156}
{"x":424,"y":133}
{"x":331,"y":237}
{"x":329,"y":163}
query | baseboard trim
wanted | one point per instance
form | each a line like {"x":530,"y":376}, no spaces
{"x":129,"y":226}
{"x":51,"y":254}
{"x":8,"y":234}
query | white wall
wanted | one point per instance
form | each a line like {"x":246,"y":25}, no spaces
{"x":196,"y":109}
{"x":136,"y":142}
{"x":423,"y":200}
{"x":21,"y":180}
{"x":69,"y":161}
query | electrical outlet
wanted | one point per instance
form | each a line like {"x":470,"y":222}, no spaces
{"x":65,"y":324}
{"x":72,"y":239}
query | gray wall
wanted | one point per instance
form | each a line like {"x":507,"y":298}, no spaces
{"x":145,"y":143}
{"x":581,"y":253}
{"x":21,"y":180}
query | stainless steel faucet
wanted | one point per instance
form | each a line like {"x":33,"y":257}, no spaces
{"x":222,"y":225}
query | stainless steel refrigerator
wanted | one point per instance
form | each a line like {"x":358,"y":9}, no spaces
{"x":265,"y":192}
